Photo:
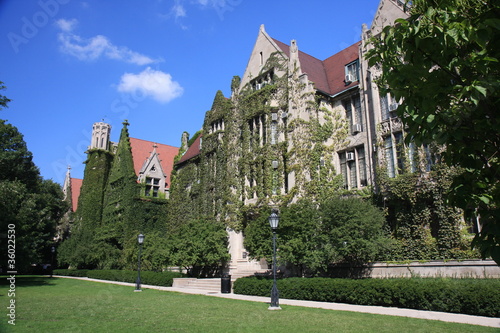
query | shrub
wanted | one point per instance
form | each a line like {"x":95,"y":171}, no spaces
{"x":479,"y":297}
{"x":164,"y":279}
{"x":71,"y":272}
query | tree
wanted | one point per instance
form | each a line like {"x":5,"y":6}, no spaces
{"x":354,"y":230}
{"x":16,"y":161}
{"x":200,"y":246}
{"x":443,"y":63}
{"x":3,"y":100}
{"x":312,"y":236}
{"x":30,"y":204}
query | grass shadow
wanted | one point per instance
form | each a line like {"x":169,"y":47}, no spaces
{"x":27,"y":281}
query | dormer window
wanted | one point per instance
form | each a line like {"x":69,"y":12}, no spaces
{"x":351,"y":72}
{"x":152,"y":187}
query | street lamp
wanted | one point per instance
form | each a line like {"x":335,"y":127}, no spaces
{"x":274,"y":219}
{"x":140,"y":240}
{"x":52,"y":250}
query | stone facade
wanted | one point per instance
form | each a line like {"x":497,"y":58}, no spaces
{"x":272,"y":152}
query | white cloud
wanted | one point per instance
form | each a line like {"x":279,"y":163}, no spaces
{"x":152,"y":83}
{"x":179,"y":10}
{"x":96,"y":47}
{"x":66,"y":25}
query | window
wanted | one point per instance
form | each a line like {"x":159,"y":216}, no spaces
{"x":274,"y":132}
{"x":217,"y":125}
{"x":428,"y":158}
{"x":395,"y":154}
{"x":384,"y":107}
{"x":343,"y":168}
{"x":263,"y":80}
{"x":362,"y":166}
{"x":354,"y":119}
{"x":411,"y":155}
{"x":152,"y":187}
{"x":388,"y":106}
{"x":400,"y":153}
{"x":389,"y":157}
{"x":351,"y":72}
{"x":353,"y":168}
{"x":348,"y":112}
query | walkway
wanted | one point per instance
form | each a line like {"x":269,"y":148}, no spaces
{"x":429,"y":315}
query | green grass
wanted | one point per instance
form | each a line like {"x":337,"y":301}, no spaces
{"x":66,"y":305}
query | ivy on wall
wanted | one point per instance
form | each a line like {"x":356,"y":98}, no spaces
{"x":111,"y":214}
{"x":241,"y":164}
{"x":121,"y":194}
{"x":422,"y":223}
{"x":81,"y":250}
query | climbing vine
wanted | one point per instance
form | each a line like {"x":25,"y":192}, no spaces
{"x":273,"y":129}
{"x":422,"y":223}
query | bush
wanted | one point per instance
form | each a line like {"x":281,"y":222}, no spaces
{"x":71,"y":272}
{"x":164,"y":279}
{"x":480,"y":297}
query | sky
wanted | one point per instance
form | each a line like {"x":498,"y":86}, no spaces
{"x":156,"y":63}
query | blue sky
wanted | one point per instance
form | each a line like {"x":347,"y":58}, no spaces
{"x":158,"y":64}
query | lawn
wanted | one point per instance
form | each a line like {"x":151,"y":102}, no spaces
{"x":66,"y":305}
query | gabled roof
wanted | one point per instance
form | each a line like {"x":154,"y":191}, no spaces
{"x":328,"y":75}
{"x":193,"y":150}
{"x":310,"y":65}
{"x":152,"y":161}
{"x":141,"y":150}
{"x":76,"y":185}
{"x":335,"y":68}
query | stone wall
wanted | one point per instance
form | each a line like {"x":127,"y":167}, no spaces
{"x":455,"y":269}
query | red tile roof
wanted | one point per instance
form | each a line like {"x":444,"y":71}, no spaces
{"x":76,"y":185}
{"x":142,"y":149}
{"x":328,"y":75}
{"x":193,"y":150}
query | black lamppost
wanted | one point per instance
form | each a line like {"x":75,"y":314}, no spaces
{"x":140,"y":240}
{"x":52,"y":250}
{"x":274,"y":219}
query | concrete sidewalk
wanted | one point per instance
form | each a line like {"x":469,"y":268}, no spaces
{"x":429,"y":315}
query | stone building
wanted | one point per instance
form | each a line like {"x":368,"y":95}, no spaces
{"x":294,"y":126}
{"x":153,"y":164}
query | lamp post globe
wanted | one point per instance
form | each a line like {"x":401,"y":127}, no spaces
{"x":140,"y":240}
{"x":274,"y":220}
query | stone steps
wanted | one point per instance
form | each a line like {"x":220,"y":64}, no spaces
{"x":209,"y":285}
{"x":243,"y":273}
{"x":212,"y":285}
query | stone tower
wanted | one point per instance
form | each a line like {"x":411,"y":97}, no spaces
{"x":100,"y":136}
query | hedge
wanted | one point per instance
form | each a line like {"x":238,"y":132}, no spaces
{"x":164,"y":279}
{"x":480,"y":297}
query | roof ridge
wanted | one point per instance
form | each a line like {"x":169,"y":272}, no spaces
{"x":158,"y":143}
